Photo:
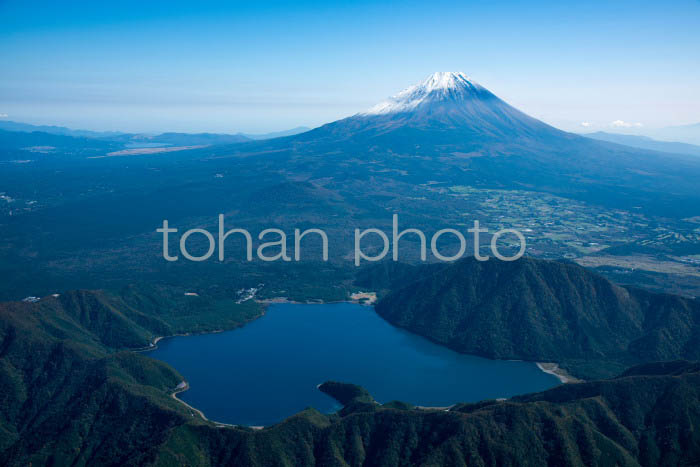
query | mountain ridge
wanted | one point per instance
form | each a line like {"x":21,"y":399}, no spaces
{"x":645,"y":142}
{"x":59,"y":393}
{"x":543,"y":311}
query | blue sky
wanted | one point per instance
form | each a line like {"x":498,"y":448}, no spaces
{"x":230,"y":66}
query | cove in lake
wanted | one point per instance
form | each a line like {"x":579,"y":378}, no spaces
{"x":270,"y":368}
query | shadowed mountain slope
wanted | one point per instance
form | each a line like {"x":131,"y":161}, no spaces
{"x":68,"y":397}
{"x":542,"y":311}
{"x":645,"y":418}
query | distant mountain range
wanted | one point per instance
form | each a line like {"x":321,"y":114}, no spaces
{"x":19,"y":145}
{"x":9,"y":125}
{"x":170,"y":138}
{"x":688,"y":134}
{"x":644,"y":142}
{"x":451,"y":129}
{"x":276,"y":134}
{"x":685,"y":133}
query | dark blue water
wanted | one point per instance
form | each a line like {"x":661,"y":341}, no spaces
{"x":269,"y":369}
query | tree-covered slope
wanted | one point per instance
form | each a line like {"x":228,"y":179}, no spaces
{"x":68,"y":396}
{"x":648,"y":417}
{"x":65,"y":399}
{"x":542,"y":311}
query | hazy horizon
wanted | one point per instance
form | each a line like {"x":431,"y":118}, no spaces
{"x":611,"y":129}
{"x":235,"y":67}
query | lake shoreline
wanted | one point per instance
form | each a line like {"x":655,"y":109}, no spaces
{"x":284,"y":301}
{"x":555,"y":370}
{"x":154,"y":343}
{"x":184,"y":386}
{"x":265,"y":302}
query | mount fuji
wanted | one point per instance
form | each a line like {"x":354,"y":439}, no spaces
{"x":447,"y":107}
{"x":449,"y":128}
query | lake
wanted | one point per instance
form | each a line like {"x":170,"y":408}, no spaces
{"x":269,"y":369}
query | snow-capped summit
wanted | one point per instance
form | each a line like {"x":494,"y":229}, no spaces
{"x":445,"y":108}
{"x":446,"y":80}
{"x":442,"y":85}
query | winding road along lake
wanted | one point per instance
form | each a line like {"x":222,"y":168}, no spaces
{"x":269,"y":369}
